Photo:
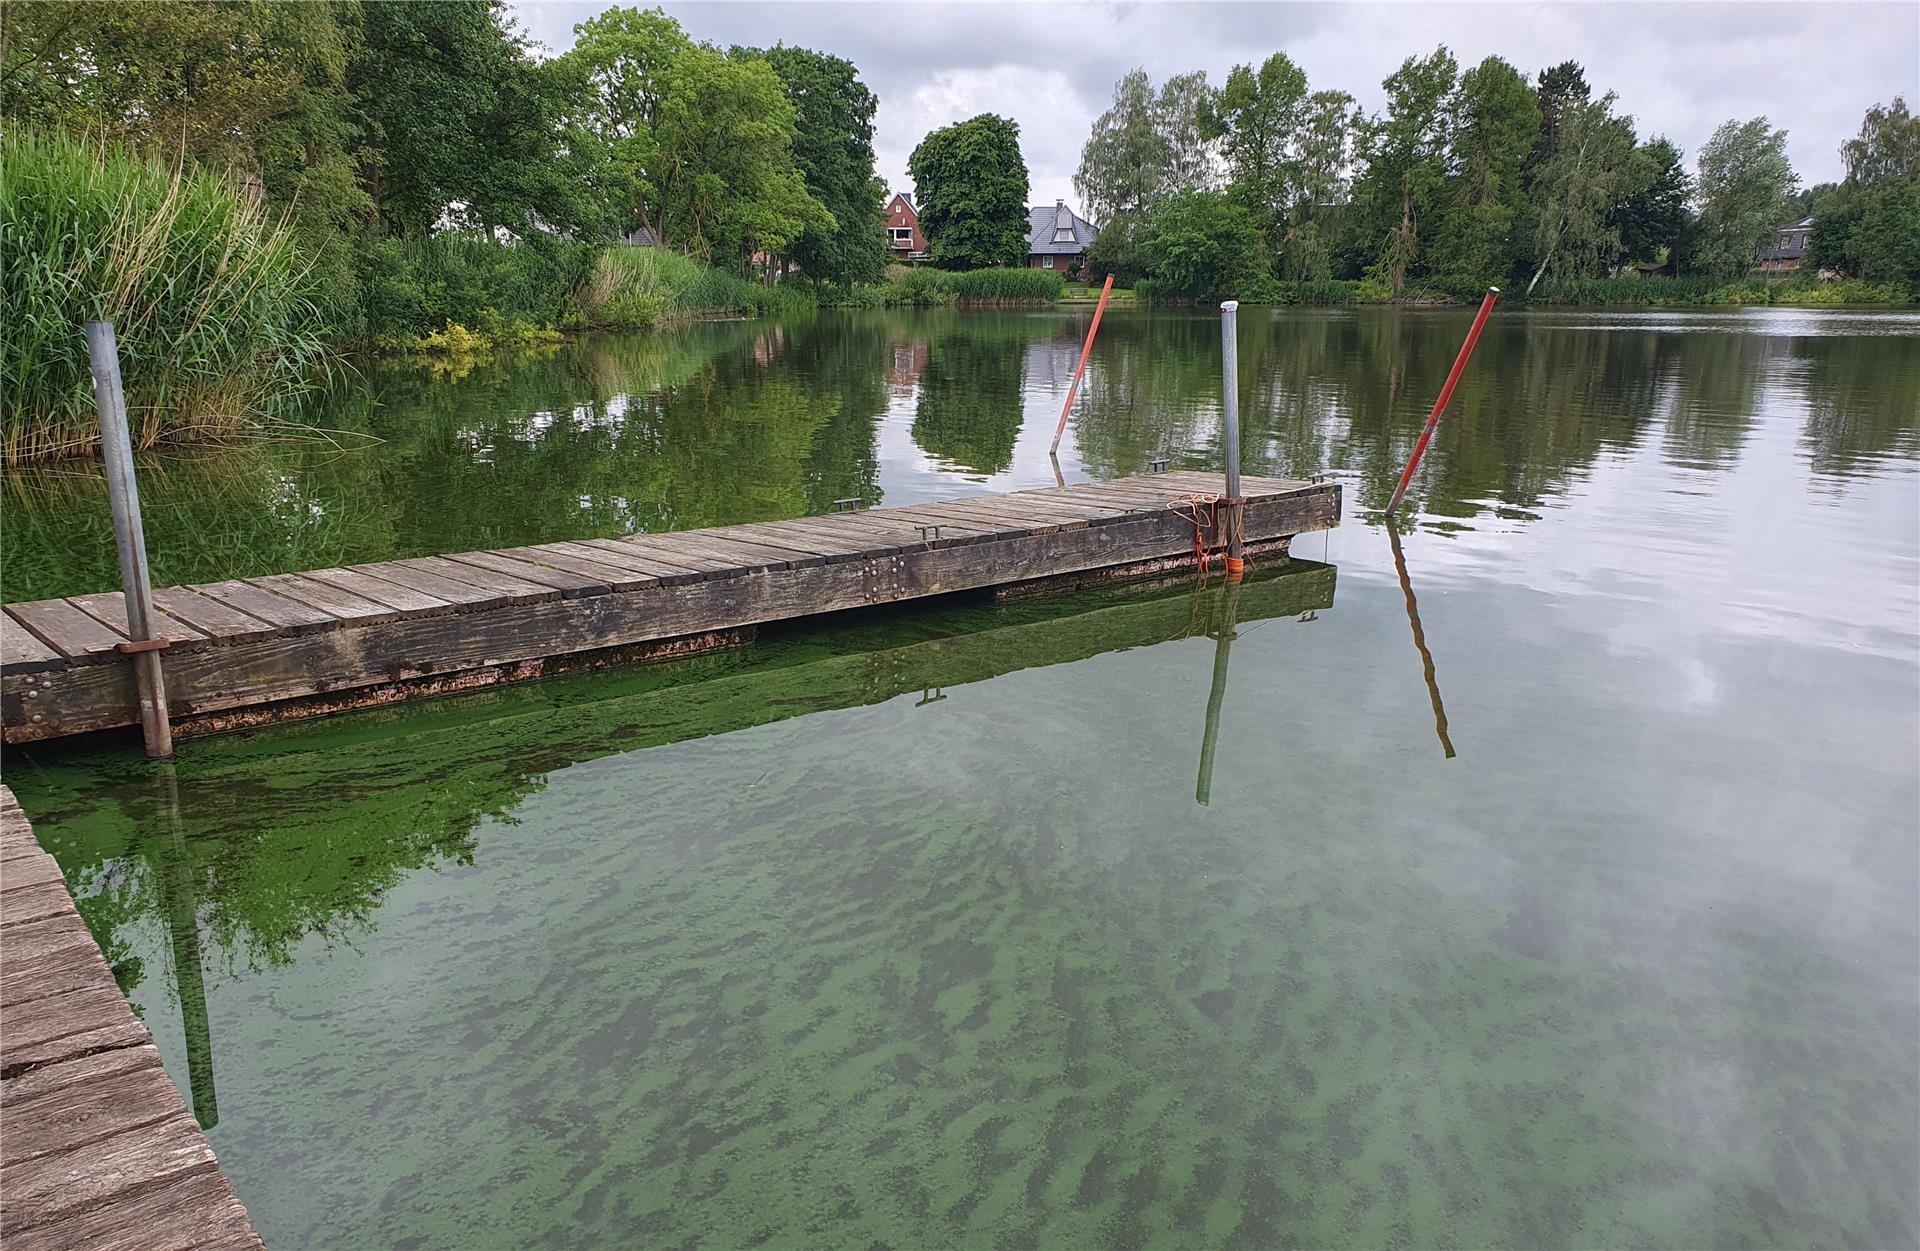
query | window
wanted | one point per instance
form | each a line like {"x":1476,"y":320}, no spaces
{"x":1063,"y":234}
{"x":903,"y":236}
{"x":1049,"y":262}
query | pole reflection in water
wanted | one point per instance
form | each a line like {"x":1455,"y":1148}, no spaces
{"x":183,"y":928}
{"x":1223,"y":635}
{"x":1420,"y":639}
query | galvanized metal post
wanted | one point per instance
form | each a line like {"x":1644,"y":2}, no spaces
{"x":1230,"y":427}
{"x":116,"y":448}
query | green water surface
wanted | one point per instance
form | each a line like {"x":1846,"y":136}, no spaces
{"x":1555,"y":885}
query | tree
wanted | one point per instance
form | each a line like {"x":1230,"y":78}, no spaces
{"x":972,"y":187}
{"x":1324,"y":155}
{"x":1869,"y":226}
{"x":1496,"y":123}
{"x":1176,"y":119}
{"x":1405,"y":152}
{"x":1204,"y":244}
{"x":702,"y":141}
{"x":1654,"y":217}
{"x":1592,"y":169}
{"x":1744,"y":182}
{"x":1120,"y":249}
{"x":833,"y":148}
{"x":1256,"y":118}
{"x":1125,"y":164}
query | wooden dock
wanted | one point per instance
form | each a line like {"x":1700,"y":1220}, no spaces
{"x":255,"y":650}
{"x":97,"y":1150}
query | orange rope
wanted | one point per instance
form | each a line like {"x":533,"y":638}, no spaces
{"x":1204,"y":512}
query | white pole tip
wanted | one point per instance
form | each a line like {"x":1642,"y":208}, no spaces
{"x":1229,"y":306}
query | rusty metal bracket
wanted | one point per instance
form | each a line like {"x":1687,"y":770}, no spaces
{"x":143,"y":645}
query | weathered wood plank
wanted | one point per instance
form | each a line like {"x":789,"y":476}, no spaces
{"x":32,"y":903}
{"x":336,"y":601}
{"x":57,"y":1027}
{"x":66,"y":629}
{"x":393,"y":595}
{"x":209,"y":616}
{"x":96,"y":1146}
{"x":466,"y":585}
{"x":290,"y":615}
{"x":601,"y":573}
{"x":747,"y":554}
{"x":46,"y":1189}
{"x":21,"y":652}
{"x":75,"y":1102}
{"x":193,"y":1212}
{"x":627,"y":561}
{"x":634,"y":550}
{"x":26,"y":872}
{"x":565,"y":581}
{"x":109,"y":608}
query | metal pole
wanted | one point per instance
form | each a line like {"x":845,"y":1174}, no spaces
{"x":1230,"y":428}
{"x":189,"y":975}
{"x":1085,"y":352}
{"x":1446,"y":393}
{"x":116,"y":448}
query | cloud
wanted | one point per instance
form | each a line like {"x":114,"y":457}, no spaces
{"x":1680,"y":69}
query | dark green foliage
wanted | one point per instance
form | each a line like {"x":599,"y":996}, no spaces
{"x":1869,"y":226}
{"x":1654,"y":218}
{"x":1496,"y":124}
{"x":833,"y":146}
{"x":971,"y":183}
{"x":1204,"y":247}
{"x":1120,"y":249}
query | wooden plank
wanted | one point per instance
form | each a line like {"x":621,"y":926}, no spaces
{"x":193,"y":1212}
{"x":636,"y":567}
{"x":333,"y":600}
{"x":601,"y":572}
{"x":32,"y":903}
{"x":25,"y":872}
{"x":668,"y":550}
{"x":66,"y":629}
{"x":747,"y":554}
{"x":109,"y":608}
{"x":51,"y":1187}
{"x":218,"y":621}
{"x":462,"y":585}
{"x":56,"y":1027}
{"x":21,"y":651}
{"x":565,"y":581}
{"x":53,"y":1109}
{"x":829,"y":535}
{"x":50,"y":971}
{"x":290,"y":615}
{"x":392,"y":594}
{"x":630,"y":550}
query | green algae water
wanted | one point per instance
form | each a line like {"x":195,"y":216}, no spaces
{"x":1552,"y":878}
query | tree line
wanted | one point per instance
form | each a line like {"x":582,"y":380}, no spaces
{"x":1464,"y":179}
{"x":371,"y":124}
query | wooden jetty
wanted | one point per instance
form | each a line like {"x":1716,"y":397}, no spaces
{"x":97,"y":1149}
{"x":255,"y":650}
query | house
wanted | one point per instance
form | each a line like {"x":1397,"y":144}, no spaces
{"x":1057,"y":237}
{"x":903,"y":229}
{"x":1788,"y":248}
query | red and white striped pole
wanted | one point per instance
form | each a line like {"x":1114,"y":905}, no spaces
{"x":1446,"y":393}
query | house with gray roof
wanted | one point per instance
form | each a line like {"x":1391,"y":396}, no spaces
{"x":1057,"y":237}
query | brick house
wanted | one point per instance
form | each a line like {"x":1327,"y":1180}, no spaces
{"x":1057,"y":237}
{"x":903,"y":229}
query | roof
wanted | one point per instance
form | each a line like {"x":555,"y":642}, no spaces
{"x":1045,"y":222}
{"x":1789,"y":242}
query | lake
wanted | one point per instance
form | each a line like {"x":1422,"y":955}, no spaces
{"x":1552,"y":879}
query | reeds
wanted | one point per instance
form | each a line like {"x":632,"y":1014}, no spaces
{"x":208,"y":297}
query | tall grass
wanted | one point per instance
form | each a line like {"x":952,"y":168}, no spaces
{"x":207,"y":293}
{"x":633,"y":287}
{"x":1701,"y":292}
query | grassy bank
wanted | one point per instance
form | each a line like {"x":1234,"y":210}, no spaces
{"x":907,"y":287}
{"x":1689,"y":292}
{"x":208,"y":296}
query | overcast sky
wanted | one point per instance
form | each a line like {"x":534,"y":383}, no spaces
{"x":1679,"y":68}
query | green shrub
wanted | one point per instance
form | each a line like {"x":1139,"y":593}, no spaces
{"x":208,"y":296}
{"x":411,"y":288}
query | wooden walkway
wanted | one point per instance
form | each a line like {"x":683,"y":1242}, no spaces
{"x":97,"y":1149}
{"x":259,"y":649}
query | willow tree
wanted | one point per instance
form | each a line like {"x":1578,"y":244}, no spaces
{"x":1743,"y":184}
{"x":1406,"y":156}
{"x":1592,"y":169}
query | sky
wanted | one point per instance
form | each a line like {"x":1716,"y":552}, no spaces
{"x":1679,"y":69}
